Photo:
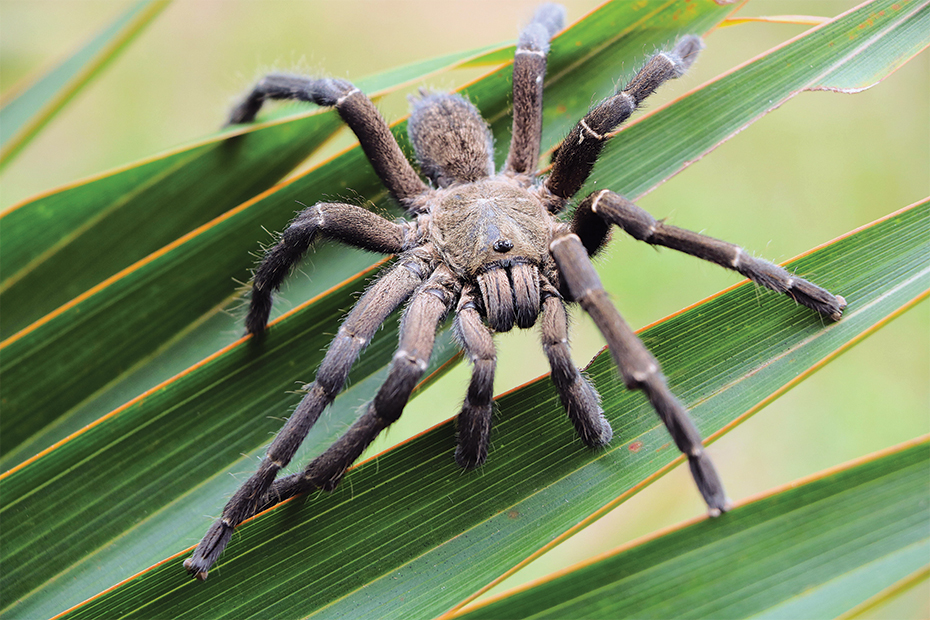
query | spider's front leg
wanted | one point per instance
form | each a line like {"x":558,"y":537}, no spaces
{"x":422,"y":317}
{"x":579,"y":398}
{"x":598,"y":211}
{"x":382,"y":298}
{"x":639,"y":368}
{"x":342,"y":222}
{"x":358,"y":112}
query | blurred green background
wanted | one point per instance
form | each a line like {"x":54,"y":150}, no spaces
{"x":818,"y":167}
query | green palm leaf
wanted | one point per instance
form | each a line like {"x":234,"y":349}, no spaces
{"x":25,"y":112}
{"x":408,"y":533}
{"x":121,"y":322}
{"x":813,"y":550}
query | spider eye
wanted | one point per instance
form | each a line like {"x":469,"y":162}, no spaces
{"x":503,"y":245}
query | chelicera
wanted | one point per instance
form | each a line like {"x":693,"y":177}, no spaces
{"x":490,"y":247}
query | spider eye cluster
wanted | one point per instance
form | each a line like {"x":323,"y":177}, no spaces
{"x":503,"y":245}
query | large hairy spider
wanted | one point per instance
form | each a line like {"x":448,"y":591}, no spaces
{"x":490,"y":246}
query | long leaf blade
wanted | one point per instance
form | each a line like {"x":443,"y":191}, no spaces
{"x":117,"y":325}
{"x":432,"y":522}
{"x":811,"y":551}
{"x":42,"y":473}
{"x":206,"y":509}
{"x":24,"y":114}
{"x":835,"y":50}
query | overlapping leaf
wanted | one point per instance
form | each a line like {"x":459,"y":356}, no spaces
{"x":140,"y":310}
{"x":24,"y":113}
{"x":409,"y":536}
{"x":398,"y":572}
{"x":811,"y":551}
{"x":103,"y":334}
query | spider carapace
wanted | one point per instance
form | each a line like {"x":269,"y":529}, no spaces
{"x":489,"y":246}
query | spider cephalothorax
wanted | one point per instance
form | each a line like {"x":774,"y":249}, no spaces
{"x":489,"y":247}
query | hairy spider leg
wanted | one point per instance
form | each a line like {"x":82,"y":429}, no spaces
{"x":358,"y":112}
{"x":598,"y":211}
{"x":639,"y":369}
{"x":356,"y":331}
{"x":352,"y":225}
{"x":529,"y":69}
{"x":580,"y":400}
{"x":577,"y":154}
{"x":424,"y":313}
{"x":474,"y":419}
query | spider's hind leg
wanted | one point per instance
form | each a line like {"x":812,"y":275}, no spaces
{"x":422,"y":317}
{"x":358,"y":112}
{"x":382,"y":298}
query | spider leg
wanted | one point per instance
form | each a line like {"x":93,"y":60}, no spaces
{"x":639,"y":368}
{"x":579,"y":398}
{"x":598,"y":211}
{"x":474,"y":420}
{"x":579,"y":151}
{"x":382,"y":298}
{"x":529,"y":69}
{"x":358,"y":112}
{"x":347,"y":223}
{"x":421,"y":319}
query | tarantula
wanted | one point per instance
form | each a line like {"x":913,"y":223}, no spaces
{"x":490,"y":246}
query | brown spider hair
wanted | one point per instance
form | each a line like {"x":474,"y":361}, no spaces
{"x":489,"y":247}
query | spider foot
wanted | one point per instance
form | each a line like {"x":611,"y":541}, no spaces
{"x":259,"y":310}
{"x":685,"y":52}
{"x":841,"y":305}
{"x":583,"y":405}
{"x":474,"y":431}
{"x":713,"y":513}
{"x":209,"y":550}
{"x":200,"y":575}
{"x":812,"y":296}
{"x":551,"y":16}
{"x":709,"y":484}
{"x":548,"y":20}
{"x":600,"y":434}
{"x":470,"y":457}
